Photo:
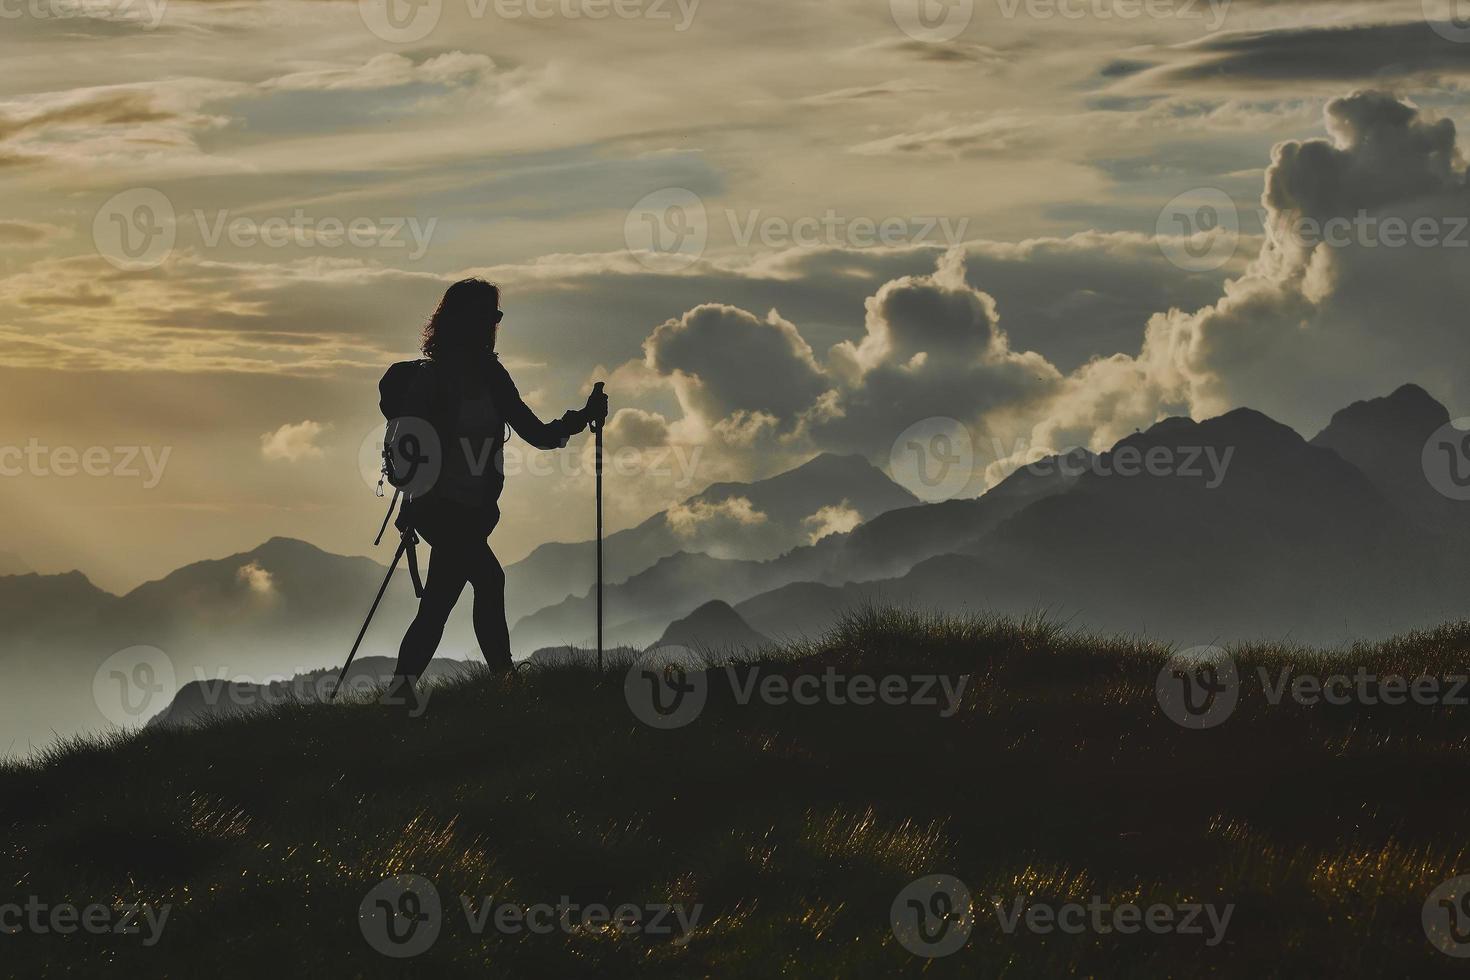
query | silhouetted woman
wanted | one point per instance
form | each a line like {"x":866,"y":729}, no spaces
{"x":468,"y":395}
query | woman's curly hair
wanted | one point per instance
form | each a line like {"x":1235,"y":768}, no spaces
{"x":465,"y":321}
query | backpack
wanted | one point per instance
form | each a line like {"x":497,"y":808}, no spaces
{"x":410,"y":456}
{"x":410,"y":443}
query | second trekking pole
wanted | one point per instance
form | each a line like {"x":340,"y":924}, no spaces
{"x":597,"y":433}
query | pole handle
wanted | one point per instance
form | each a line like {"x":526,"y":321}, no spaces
{"x":596,"y":424}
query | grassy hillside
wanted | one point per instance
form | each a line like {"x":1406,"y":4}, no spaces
{"x":793,"y":827}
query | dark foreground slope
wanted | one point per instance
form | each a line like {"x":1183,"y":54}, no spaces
{"x":791,"y":827}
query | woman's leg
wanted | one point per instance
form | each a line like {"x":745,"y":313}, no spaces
{"x":488,"y":579}
{"x":449,"y":570}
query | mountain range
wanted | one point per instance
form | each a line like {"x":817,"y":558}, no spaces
{"x":1244,"y":530}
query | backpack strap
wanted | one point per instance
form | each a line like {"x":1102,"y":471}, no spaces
{"x":412,"y":540}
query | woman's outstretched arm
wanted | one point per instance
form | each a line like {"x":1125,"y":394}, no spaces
{"x":514,"y":410}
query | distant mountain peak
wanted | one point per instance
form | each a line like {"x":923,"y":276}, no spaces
{"x":1409,"y":412}
{"x":713,"y":626}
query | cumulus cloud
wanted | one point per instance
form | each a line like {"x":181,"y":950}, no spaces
{"x":257,"y":579}
{"x":702,"y":517}
{"x":293,"y":442}
{"x":832,"y":519}
{"x":732,"y":367}
{"x":1304,"y":329}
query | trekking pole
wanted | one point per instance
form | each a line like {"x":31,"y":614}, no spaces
{"x":402,"y":547}
{"x":597,"y":433}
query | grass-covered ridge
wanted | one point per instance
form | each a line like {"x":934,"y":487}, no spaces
{"x":792,"y":827}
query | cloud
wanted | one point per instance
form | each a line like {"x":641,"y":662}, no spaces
{"x":293,"y":443}
{"x":832,"y":519}
{"x":21,"y":233}
{"x":1304,"y":329}
{"x":453,"y":68}
{"x":700,"y":517}
{"x":257,"y":579}
{"x":729,"y":365}
{"x":1393,"y":52}
{"x":96,"y":126}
